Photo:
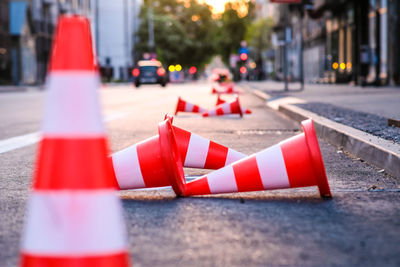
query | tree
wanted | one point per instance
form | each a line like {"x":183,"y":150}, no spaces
{"x":233,"y":24}
{"x":258,"y":37}
{"x":184,"y":32}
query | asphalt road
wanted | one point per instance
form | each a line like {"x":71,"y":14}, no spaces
{"x":360,"y":226}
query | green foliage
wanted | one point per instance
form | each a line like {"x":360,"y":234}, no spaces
{"x":183,"y":35}
{"x":233,"y":27}
{"x":186,"y":33}
{"x":258,"y":36}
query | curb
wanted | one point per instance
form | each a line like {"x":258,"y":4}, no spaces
{"x":377,"y":151}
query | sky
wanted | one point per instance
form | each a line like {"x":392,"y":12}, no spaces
{"x":218,"y":5}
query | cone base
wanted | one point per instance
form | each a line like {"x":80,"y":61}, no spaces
{"x":318,"y":164}
{"x":118,"y":259}
{"x":171,"y":157}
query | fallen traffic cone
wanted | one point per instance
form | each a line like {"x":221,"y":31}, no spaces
{"x":227,"y":87}
{"x":74,"y":215}
{"x":139,"y":165}
{"x":184,"y":106}
{"x":199,"y":152}
{"x":221,"y":101}
{"x":232,"y":107}
{"x":150,"y":163}
{"x":224,"y":88}
{"x":295,"y":162}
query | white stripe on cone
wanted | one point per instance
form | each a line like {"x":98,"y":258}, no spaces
{"x":73,"y":223}
{"x":226,"y":108}
{"x":222,"y":180}
{"x":233,"y":156}
{"x":79,"y":110}
{"x":188,"y":107}
{"x":127,"y":168}
{"x":272,"y":169}
{"x":197,"y":151}
{"x":202,"y":110}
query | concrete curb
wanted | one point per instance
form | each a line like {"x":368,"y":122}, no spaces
{"x":377,"y":151}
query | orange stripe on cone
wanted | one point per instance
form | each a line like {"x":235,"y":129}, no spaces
{"x":221,"y":101}
{"x":184,"y":106}
{"x":74,"y":216}
{"x":142,"y":165}
{"x":295,"y":162}
{"x":226,"y":108}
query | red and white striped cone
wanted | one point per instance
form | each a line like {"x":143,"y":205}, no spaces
{"x":221,"y":101}
{"x":184,"y":106}
{"x":226,"y":108}
{"x":202,"y":153}
{"x":139,"y":166}
{"x":224,"y":88}
{"x":148,"y":163}
{"x":74,"y":215}
{"x":227,"y":87}
{"x":295,"y":162}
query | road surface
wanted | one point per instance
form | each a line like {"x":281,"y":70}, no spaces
{"x":359,"y":226}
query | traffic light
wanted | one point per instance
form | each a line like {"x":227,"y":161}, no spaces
{"x":243,"y":57}
{"x":192,"y":70}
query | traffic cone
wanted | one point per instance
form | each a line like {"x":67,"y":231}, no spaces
{"x":295,"y":162}
{"x":139,"y":165}
{"x":232,"y":107}
{"x":224,"y":88}
{"x":221,"y":101}
{"x":227,"y":88}
{"x":74,"y":215}
{"x":150,"y":163}
{"x":184,"y":106}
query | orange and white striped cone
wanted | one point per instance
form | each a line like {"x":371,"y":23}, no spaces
{"x":74,"y":215}
{"x":184,"y":106}
{"x":226,"y":108}
{"x":221,"y":101}
{"x":150,"y":163}
{"x":227,"y":87}
{"x":202,"y":153}
{"x":224,"y":88}
{"x":295,"y":162}
{"x":139,"y":165}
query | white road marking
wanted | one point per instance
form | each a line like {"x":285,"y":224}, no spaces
{"x":19,"y":141}
{"x":16,"y":142}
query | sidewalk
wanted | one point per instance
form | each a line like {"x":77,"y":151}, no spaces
{"x":350,"y":117}
{"x":381,"y":101}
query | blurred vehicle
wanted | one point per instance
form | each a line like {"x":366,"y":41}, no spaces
{"x":220,"y":75}
{"x":149,"y":72}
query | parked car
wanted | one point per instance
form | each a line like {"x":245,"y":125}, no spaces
{"x":149,"y":72}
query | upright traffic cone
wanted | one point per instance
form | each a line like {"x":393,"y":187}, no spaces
{"x":232,"y":107}
{"x":184,"y":106}
{"x":221,"y":101}
{"x":295,"y":162}
{"x":139,"y":165}
{"x":150,"y":163}
{"x":74,"y":215}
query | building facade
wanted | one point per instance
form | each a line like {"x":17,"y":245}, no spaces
{"x":342,"y":41}
{"x":26,"y":36}
{"x":116,"y":23}
{"x":5,"y":43}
